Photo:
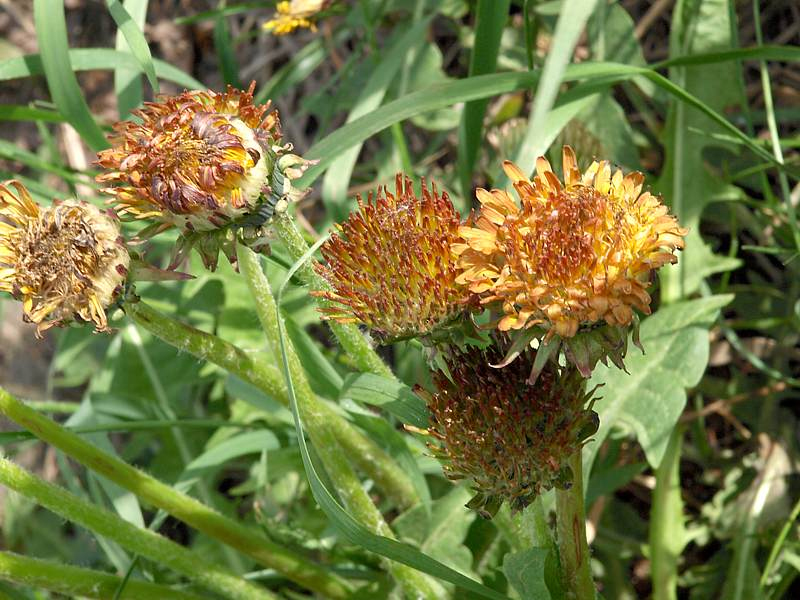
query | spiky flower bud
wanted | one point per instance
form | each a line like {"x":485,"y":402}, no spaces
{"x":203,"y":162}
{"x":295,"y":14}
{"x":64,"y":262}
{"x":511,"y":439}
{"x":390,"y":266}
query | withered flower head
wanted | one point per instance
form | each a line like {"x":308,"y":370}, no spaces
{"x":573,"y":253}
{"x":390,"y":267}
{"x":199,"y":161}
{"x":510,"y":438}
{"x":63,"y":262}
{"x":295,"y":14}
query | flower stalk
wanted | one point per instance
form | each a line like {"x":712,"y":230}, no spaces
{"x":366,"y":454}
{"x":350,"y":338}
{"x":571,"y":532}
{"x":239,"y":536}
{"x":76,"y":582}
{"x":144,"y":542}
{"x":338,"y":468}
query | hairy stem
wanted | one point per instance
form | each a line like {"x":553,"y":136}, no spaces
{"x":350,"y":490}
{"x":75,"y":582}
{"x":571,"y":528}
{"x":366,"y":454}
{"x":140,"y":541}
{"x":350,"y":338}
{"x":237,"y":535}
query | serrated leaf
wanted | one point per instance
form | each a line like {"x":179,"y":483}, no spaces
{"x":651,"y":398}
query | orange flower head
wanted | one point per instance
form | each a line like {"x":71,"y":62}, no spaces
{"x":63,"y":262}
{"x":573,"y":253}
{"x":295,"y":14}
{"x":390,"y":267}
{"x":510,"y":438}
{"x":203,"y":162}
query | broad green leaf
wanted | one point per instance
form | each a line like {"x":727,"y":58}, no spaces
{"x":650,"y":398}
{"x":51,"y":32}
{"x":525,"y":572}
{"x":251,"y":442}
{"x":490,"y":20}
{"x":441,"y":528}
{"x":88,"y":59}
{"x":390,"y":394}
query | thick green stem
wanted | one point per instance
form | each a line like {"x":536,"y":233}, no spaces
{"x":336,"y":464}
{"x":571,"y":528}
{"x":350,"y":338}
{"x":366,"y":454}
{"x":237,"y":535}
{"x":75,"y":582}
{"x":667,"y":534}
{"x":144,"y":542}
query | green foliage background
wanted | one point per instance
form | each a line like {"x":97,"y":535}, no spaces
{"x":690,"y":477}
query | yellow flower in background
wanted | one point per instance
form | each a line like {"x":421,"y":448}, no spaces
{"x":295,"y":14}
{"x":201,"y":161}
{"x":572,"y":253}
{"x":390,"y":267}
{"x":511,"y":439}
{"x":62,"y":262}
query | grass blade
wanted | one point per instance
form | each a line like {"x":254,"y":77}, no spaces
{"x":51,"y":32}
{"x":574,"y":16}
{"x":128,"y":82}
{"x":490,"y":19}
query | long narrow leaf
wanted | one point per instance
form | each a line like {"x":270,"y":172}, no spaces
{"x":128,"y":82}
{"x":88,"y":59}
{"x":490,"y":19}
{"x":132,"y":32}
{"x":571,"y":22}
{"x":51,"y":32}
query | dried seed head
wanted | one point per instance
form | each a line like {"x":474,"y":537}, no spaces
{"x":63,"y":262}
{"x":390,"y":266}
{"x":510,"y":438}
{"x":574,"y":253}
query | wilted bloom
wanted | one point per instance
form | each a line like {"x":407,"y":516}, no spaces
{"x":63,"y":262}
{"x":510,"y":438}
{"x":294,"y":14}
{"x":573,"y":253}
{"x":200,"y":161}
{"x":390,"y":266}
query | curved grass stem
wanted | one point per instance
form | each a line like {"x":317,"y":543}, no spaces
{"x":141,"y":541}
{"x":347,"y":484}
{"x":217,"y":526}
{"x":76,"y":582}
